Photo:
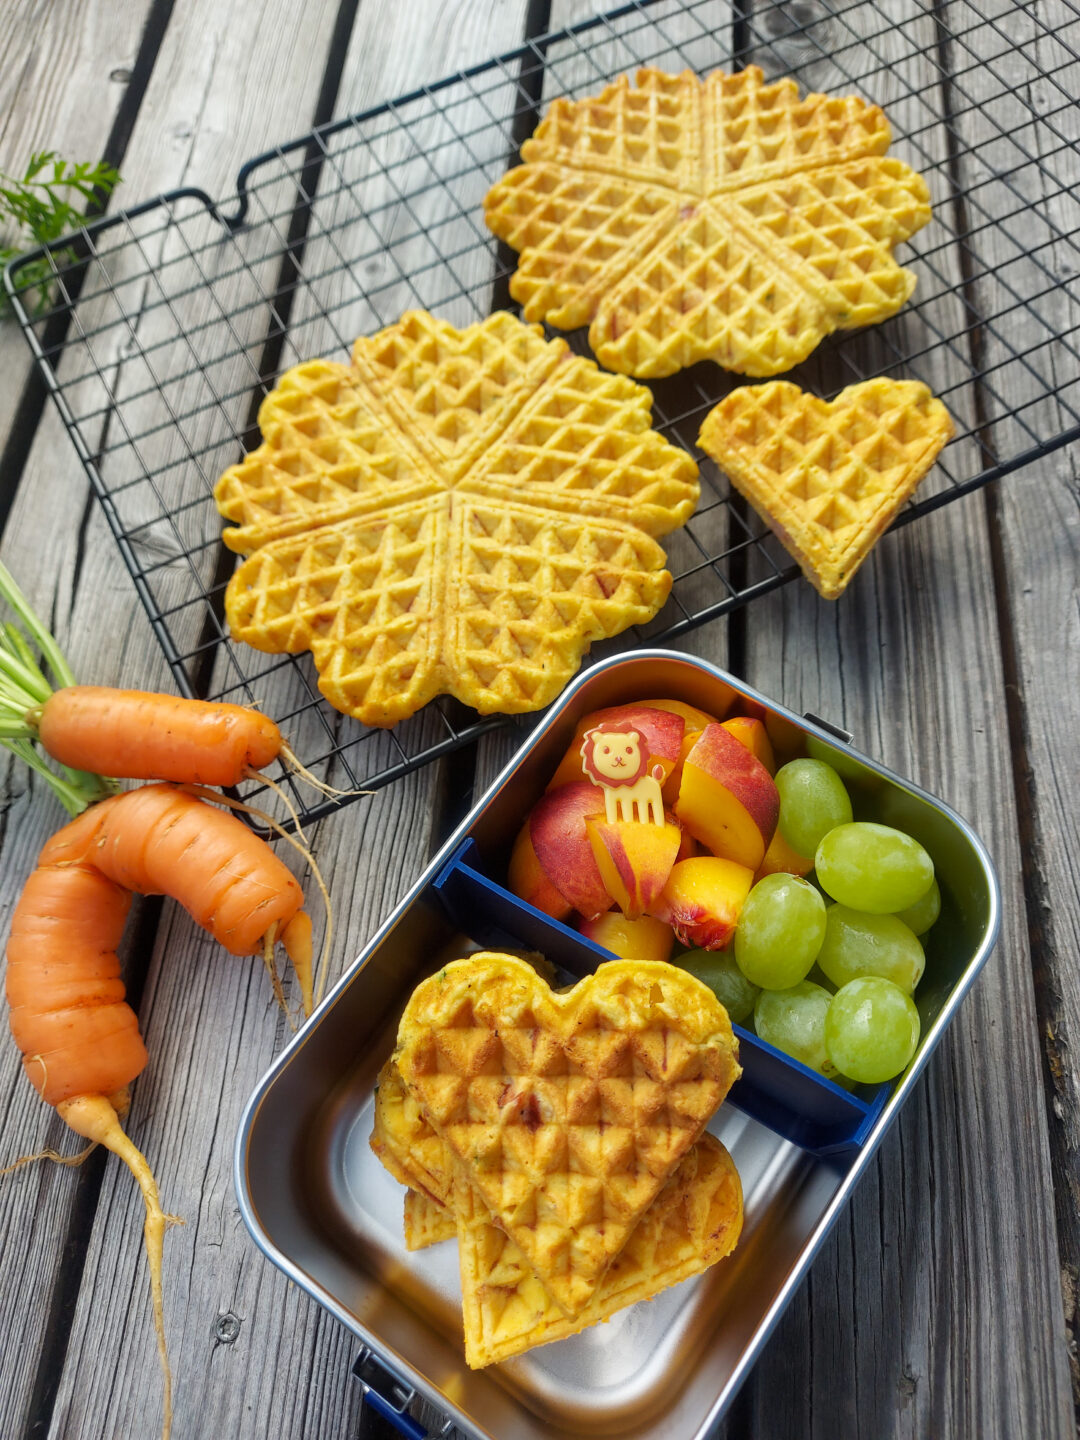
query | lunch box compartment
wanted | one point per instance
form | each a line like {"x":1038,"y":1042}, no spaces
{"x":320,"y":1205}
{"x":786,"y":1096}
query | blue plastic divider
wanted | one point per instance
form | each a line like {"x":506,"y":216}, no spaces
{"x":789,"y":1098}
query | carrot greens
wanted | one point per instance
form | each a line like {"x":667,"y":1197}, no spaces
{"x":24,"y":688}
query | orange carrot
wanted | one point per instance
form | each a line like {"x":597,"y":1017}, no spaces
{"x":144,"y":736}
{"x":79,"y":1039}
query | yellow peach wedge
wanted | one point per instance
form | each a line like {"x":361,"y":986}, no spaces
{"x":527,"y":880}
{"x":702,"y":901}
{"x":755,"y":737}
{"x":642,"y":939}
{"x":562,"y":848}
{"x":781,"y":858}
{"x":634,"y":861}
{"x":727,"y":798}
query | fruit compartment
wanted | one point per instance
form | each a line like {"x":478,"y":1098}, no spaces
{"x":788,"y":1097}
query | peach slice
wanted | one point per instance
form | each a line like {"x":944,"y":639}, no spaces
{"x":527,"y":880}
{"x":642,"y":939}
{"x":561,"y":845}
{"x":670,"y":788}
{"x":727,"y":798}
{"x":693,"y":718}
{"x":755,"y":737}
{"x":634,"y":860}
{"x":702,"y":900}
{"x":661,"y":735}
{"x":781,"y":858}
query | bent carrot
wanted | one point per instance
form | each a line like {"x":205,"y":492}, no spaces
{"x":96,"y":1118}
{"x":145,"y":736}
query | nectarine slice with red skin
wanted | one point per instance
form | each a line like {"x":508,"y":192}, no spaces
{"x":780,"y":858}
{"x":727,"y":799}
{"x":693,"y":718}
{"x":670,"y":789}
{"x":645,"y":938}
{"x":755,"y":737}
{"x":661,"y":734}
{"x":562,"y":849}
{"x":702,"y":901}
{"x":526,"y":878}
{"x":634,"y":860}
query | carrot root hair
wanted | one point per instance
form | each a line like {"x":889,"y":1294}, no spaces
{"x":216,"y":798}
{"x":95,"y":1119}
{"x":54,"y":1155}
{"x":288,"y":756}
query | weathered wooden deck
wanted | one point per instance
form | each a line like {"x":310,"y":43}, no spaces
{"x":944,"y":1304}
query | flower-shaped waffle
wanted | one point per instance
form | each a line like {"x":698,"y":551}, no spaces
{"x":720,"y":219}
{"x":457,"y":512}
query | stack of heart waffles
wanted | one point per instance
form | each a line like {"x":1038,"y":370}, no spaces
{"x":457,"y":512}
{"x":560,"y":1137}
{"x":720,"y":219}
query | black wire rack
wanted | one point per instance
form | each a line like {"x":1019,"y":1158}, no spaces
{"x":164,"y":325}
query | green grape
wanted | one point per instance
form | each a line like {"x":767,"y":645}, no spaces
{"x":858,"y":944}
{"x":794,"y":1021}
{"x":780,"y":930}
{"x":813,"y":801}
{"x":920,"y":916}
{"x":718,"y":970}
{"x":846,"y":766}
{"x":871,"y":1030}
{"x":873,"y":867}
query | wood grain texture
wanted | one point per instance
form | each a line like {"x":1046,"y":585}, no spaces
{"x":1035,"y":540}
{"x":43,"y":42}
{"x":210,"y":1023}
{"x":910,"y":1321}
{"x":935,"y":1308}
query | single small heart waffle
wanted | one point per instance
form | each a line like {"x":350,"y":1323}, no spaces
{"x":694,"y":1221}
{"x":720,"y":219}
{"x":827,"y":477}
{"x":568,"y":1112}
{"x":458,"y":512}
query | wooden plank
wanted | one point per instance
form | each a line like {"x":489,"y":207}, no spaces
{"x":43,"y":42}
{"x":210,"y":1025}
{"x":73,"y":574}
{"x":910,"y":1320}
{"x":1026,"y":173}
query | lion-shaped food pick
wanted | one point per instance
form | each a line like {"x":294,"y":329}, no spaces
{"x":614,"y":760}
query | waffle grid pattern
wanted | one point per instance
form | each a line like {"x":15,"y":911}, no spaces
{"x":531,"y":483}
{"x":775,"y":219}
{"x":165,"y":327}
{"x":568,"y":1113}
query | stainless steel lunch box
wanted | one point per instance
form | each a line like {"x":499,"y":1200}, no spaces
{"x":322,"y":1208}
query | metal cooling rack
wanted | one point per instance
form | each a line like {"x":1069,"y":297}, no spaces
{"x":167,"y":323}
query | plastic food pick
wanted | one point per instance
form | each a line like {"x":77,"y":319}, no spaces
{"x":614,"y":760}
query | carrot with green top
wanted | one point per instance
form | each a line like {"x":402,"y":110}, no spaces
{"x":79,"y":1038}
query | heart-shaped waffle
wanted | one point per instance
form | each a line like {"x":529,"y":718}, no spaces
{"x":459,"y":512}
{"x":694,"y":1221}
{"x":720,"y":219}
{"x":569,"y":1112}
{"x":827,"y":477}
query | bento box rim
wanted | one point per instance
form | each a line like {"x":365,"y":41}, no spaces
{"x":399,"y":1365}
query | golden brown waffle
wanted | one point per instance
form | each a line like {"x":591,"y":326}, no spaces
{"x":828,"y":478}
{"x":426,"y":1221}
{"x":694,"y":1221}
{"x":459,"y":512}
{"x":568,"y":1112}
{"x":721,"y":219}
